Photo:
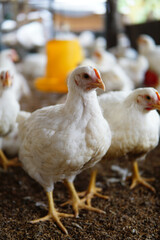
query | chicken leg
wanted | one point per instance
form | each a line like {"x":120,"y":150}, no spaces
{"x":76,"y":202}
{"x":7,"y":163}
{"x":137,"y":179}
{"x":53,"y":214}
{"x":92,"y":190}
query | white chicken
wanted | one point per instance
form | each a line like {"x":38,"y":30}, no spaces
{"x":11,"y":142}
{"x":135,"y":128}
{"x":31,"y":35}
{"x":33,"y":65}
{"x":113,"y":75}
{"x":86,"y":40}
{"x":148,"y":48}
{"x":123,"y":48}
{"x":135,"y":69}
{"x":9,"y":108}
{"x":19,"y":86}
{"x":101,"y":59}
{"x":104,"y":60}
{"x":58,"y":142}
{"x":116,"y":79}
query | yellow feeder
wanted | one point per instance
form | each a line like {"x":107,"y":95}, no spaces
{"x":62,"y":57}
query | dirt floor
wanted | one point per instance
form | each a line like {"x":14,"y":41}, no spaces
{"x":130,"y":215}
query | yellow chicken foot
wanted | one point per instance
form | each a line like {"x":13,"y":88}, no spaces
{"x":76,"y":202}
{"x":137,"y":179}
{"x":92,"y":190}
{"x":8,"y":163}
{"x":53,"y":214}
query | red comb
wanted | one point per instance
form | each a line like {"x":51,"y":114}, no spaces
{"x":97,"y":74}
{"x":158,"y":96}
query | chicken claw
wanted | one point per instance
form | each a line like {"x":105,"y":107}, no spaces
{"x":78,"y":203}
{"x":92,"y":190}
{"x":53,"y":214}
{"x":7,"y":163}
{"x":137,"y":179}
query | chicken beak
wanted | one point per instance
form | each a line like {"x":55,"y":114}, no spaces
{"x":8,"y":81}
{"x":97,"y":54}
{"x":141,"y":40}
{"x":98,"y":83}
{"x":14,"y":56}
{"x":157,"y":105}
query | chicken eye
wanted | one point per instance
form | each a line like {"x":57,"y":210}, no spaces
{"x":148,"y":97}
{"x":86,"y":76}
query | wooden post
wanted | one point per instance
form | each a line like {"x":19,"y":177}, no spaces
{"x":111,"y":23}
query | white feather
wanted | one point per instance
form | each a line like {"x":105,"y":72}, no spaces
{"x":60,"y":141}
{"x":135,"y":131}
{"x":20,"y":86}
{"x":148,"y":48}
